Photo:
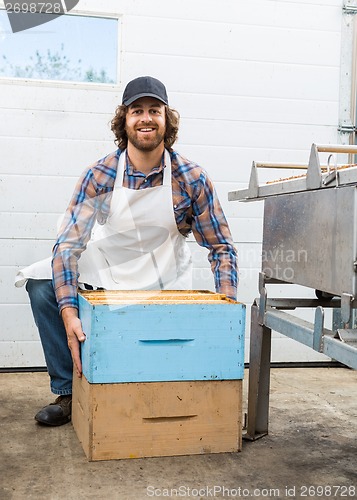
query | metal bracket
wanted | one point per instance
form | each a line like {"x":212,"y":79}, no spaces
{"x":347,"y":129}
{"x":329,"y":178}
{"x":253,"y":188}
{"x":313,"y":176}
{"x":262,"y":306}
{"x":261,"y":282}
{"x":349,"y":9}
{"x":347,"y":335}
{"x":346,"y":307}
{"x":318,"y":329}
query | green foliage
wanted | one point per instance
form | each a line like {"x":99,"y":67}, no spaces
{"x":53,"y":66}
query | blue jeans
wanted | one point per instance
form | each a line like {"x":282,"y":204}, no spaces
{"x":52,"y":334}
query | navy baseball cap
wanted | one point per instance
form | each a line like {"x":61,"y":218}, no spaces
{"x":144,"y":86}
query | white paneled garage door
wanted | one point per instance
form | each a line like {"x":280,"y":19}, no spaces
{"x":252,"y":81}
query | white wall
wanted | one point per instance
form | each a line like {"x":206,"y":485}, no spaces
{"x":252,"y":81}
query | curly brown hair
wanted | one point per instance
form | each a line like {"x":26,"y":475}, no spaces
{"x":118,"y":126}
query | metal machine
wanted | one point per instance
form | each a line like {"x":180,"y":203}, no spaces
{"x":309,"y":239}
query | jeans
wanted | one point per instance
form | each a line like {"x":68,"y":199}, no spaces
{"x":52,"y":334}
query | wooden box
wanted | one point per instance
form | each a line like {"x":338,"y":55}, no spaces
{"x":132,"y":420}
{"x":153,"y":336}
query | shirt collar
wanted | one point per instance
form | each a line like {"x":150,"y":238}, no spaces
{"x":155,"y":170}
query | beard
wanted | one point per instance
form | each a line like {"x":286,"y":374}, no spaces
{"x":145,"y":144}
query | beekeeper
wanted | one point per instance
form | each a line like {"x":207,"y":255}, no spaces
{"x":126,"y":228}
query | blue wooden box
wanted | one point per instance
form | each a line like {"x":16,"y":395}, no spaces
{"x":160,"y":336}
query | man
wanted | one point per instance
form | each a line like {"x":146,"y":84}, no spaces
{"x":126,"y":228}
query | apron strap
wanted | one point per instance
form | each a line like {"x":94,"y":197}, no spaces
{"x":167,"y":170}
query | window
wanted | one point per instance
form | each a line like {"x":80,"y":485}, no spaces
{"x":69,"y":48}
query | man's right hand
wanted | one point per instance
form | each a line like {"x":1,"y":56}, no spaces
{"x":75,"y":335}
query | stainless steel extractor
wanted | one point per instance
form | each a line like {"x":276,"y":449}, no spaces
{"x":309,"y":239}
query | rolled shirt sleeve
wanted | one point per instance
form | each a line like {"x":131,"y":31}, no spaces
{"x":90,"y":202}
{"x":211,"y":231}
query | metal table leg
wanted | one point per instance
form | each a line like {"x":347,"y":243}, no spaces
{"x":259,"y":378}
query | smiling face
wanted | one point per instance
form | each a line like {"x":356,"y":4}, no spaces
{"x":146,"y":124}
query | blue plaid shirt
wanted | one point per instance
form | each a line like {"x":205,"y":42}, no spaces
{"x":196,"y":209}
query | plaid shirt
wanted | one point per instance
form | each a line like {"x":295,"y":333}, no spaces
{"x":196,"y":209}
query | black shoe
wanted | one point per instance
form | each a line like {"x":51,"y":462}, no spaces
{"x":57,"y":413}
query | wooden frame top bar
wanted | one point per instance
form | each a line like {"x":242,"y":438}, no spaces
{"x":129,"y":297}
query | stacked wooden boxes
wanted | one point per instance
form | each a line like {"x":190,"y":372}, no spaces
{"x":162,"y":374}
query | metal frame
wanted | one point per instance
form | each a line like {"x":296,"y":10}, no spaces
{"x":269,"y":314}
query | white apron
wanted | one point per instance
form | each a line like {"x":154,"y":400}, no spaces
{"x":138,"y":248}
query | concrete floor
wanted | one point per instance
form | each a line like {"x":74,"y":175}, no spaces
{"x":312,"y":442}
